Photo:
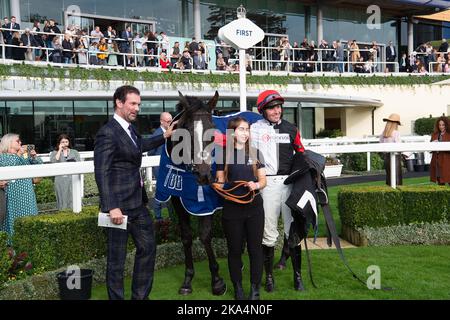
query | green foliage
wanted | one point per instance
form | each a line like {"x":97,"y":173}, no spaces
{"x":412,"y":234}
{"x":425,"y":204}
{"x":45,"y":191}
{"x":90,"y":186}
{"x":424,"y":126}
{"x":327,"y":133}
{"x":370,"y":206}
{"x":4,"y":258}
{"x":383,"y":206}
{"x":57,"y":240}
{"x":358,"y":161}
{"x":13,"y":265}
{"x":104,"y":76}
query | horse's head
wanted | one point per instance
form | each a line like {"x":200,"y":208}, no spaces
{"x":197,"y":135}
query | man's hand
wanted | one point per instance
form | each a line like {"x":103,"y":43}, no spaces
{"x":116,"y":216}
{"x":170,"y":130}
{"x":3,"y":184}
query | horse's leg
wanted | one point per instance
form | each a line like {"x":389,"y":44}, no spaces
{"x":218,"y":286}
{"x":186,"y":239}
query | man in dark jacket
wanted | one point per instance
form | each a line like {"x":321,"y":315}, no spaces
{"x":117,"y":161}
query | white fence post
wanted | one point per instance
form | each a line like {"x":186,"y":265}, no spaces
{"x":368,"y":161}
{"x":76,"y":193}
{"x":393,"y":172}
{"x":148,"y":176}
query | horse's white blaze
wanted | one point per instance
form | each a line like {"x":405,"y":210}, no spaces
{"x":198,"y":138}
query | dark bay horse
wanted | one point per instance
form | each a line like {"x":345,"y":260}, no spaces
{"x":194,"y":121}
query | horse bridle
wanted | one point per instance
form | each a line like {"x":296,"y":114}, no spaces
{"x":227,"y":193}
{"x":191,"y":167}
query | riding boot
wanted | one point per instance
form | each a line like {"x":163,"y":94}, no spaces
{"x":186,"y":287}
{"x":281,"y":264}
{"x":268,"y":266}
{"x":296,"y":257}
{"x":238,"y":291}
{"x":254,"y":292}
{"x":218,"y":286}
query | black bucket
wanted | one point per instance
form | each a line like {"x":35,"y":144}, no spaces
{"x":73,"y":286}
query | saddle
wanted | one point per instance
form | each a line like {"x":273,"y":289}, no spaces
{"x":309,"y":187}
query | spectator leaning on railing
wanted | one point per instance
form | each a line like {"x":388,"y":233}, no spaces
{"x":20,"y":196}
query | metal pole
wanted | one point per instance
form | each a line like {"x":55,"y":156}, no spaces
{"x":368,"y":161}
{"x":242,"y":81}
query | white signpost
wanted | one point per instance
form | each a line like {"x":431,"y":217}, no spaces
{"x":241,"y":34}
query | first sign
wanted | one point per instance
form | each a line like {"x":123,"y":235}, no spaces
{"x":241,"y":33}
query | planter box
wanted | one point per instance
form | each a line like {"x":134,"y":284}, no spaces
{"x":333,"y":171}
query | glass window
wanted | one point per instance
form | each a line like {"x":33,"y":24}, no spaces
{"x":89,"y":116}
{"x":51,"y":118}
{"x":20,"y":120}
{"x":148,"y":118}
{"x":307,"y":125}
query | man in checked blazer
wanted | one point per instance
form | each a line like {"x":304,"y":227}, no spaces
{"x":117,"y":159}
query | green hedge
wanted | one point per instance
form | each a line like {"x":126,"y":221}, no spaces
{"x":45,"y":191}
{"x":329,"y":133}
{"x":424,"y":126}
{"x":4,"y":260}
{"x":56,"y":240}
{"x":383,"y":206}
{"x":358,"y":161}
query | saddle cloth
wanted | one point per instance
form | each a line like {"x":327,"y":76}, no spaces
{"x":177,"y":180}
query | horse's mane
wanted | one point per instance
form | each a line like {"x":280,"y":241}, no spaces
{"x":193,"y":105}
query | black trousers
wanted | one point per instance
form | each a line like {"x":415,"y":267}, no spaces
{"x":398,"y":169}
{"x":244,"y":222}
{"x":140,"y":227}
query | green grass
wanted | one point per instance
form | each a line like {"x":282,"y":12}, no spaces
{"x":414,"y":272}
{"x":333,"y":192}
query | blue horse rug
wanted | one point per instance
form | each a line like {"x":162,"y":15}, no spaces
{"x":177,"y":180}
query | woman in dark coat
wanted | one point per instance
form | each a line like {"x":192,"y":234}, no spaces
{"x":440,"y":161}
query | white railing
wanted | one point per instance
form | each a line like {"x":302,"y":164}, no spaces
{"x":76,"y":169}
{"x":311,"y":143}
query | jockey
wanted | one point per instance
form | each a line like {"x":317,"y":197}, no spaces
{"x":278,"y":140}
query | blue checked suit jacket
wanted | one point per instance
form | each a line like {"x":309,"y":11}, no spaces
{"x":117,"y":162}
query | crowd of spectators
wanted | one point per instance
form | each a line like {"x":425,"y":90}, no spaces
{"x":73,"y":45}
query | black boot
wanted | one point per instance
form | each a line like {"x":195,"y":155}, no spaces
{"x":186,"y":287}
{"x":296,"y":257}
{"x":254,"y":292}
{"x":281,"y":264}
{"x":268,"y":266}
{"x":238,"y":291}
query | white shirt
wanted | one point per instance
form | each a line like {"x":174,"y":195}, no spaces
{"x":124,"y":124}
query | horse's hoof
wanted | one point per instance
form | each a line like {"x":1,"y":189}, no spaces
{"x":219,"y":287}
{"x":185,"y":291}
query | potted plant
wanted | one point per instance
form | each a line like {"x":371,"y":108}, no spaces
{"x":333,"y":167}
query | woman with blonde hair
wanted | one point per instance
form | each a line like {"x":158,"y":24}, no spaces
{"x":20,"y":197}
{"x":392,"y":135}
